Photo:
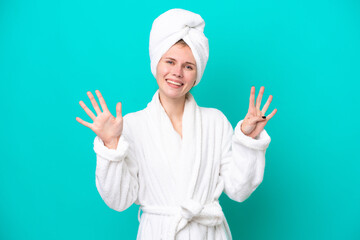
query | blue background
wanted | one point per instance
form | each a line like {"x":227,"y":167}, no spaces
{"x":305,"y":53}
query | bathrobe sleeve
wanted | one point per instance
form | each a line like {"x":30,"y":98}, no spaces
{"x":116,"y":174}
{"x":243,"y":161}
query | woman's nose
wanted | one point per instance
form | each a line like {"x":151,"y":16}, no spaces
{"x":177,"y":71}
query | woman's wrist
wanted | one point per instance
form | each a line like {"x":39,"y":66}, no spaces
{"x":249,"y":135}
{"x":112,"y":144}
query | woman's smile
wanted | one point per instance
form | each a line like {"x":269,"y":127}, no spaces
{"x":174,"y":83}
{"x":176,"y":72}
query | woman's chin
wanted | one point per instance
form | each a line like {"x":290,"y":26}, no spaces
{"x":173,"y":94}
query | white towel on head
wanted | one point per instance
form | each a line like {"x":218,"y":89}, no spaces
{"x":174,"y":25}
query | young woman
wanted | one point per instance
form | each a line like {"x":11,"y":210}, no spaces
{"x":174,"y":158}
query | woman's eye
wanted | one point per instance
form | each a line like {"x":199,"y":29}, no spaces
{"x":169,"y":61}
{"x":189,"y":67}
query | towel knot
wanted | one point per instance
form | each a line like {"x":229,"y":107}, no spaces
{"x":209,"y":214}
{"x":187,"y":29}
{"x":172,"y":26}
{"x":190,"y":209}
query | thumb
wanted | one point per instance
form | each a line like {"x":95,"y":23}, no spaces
{"x":118,"y":110}
{"x":257,"y":119}
{"x":260,"y":119}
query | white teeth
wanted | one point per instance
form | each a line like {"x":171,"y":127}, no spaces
{"x":175,"y":83}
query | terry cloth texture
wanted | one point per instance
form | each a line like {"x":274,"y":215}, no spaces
{"x":177,"y":181}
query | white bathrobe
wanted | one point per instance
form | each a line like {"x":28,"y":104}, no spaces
{"x":177,"y":181}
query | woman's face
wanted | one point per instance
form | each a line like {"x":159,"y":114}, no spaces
{"x":176,"y":72}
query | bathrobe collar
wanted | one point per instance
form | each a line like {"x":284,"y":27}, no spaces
{"x":184,"y":166}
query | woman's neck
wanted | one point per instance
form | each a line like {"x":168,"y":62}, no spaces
{"x":173,"y":107}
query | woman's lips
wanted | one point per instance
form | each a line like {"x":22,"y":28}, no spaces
{"x":174,"y":84}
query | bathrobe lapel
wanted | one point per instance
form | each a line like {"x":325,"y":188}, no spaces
{"x":180,"y":156}
{"x":191,"y":151}
{"x":177,"y":168}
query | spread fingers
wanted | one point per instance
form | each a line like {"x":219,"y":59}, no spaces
{"x":258,"y":99}
{"x":266,"y":106}
{"x":87,"y":110}
{"x":252,"y":97}
{"x":86,"y":124}
{"x":268,"y":117}
{"x":94,"y":103}
{"x":101,"y":100}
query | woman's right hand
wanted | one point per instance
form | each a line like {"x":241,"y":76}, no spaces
{"x":106,"y":126}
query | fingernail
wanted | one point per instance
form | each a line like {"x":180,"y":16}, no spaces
{"x":263,"y":117}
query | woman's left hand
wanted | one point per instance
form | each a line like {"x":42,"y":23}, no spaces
{"x":254,"y":122}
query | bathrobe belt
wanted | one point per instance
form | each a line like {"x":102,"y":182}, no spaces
{"x":209,"y":214}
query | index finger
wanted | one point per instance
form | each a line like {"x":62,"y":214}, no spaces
{"x":101,"y":100}
{"x":252,"y":97}
{"x":258,"y":100}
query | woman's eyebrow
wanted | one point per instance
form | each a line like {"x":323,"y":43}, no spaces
{"x":175,"y":60}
